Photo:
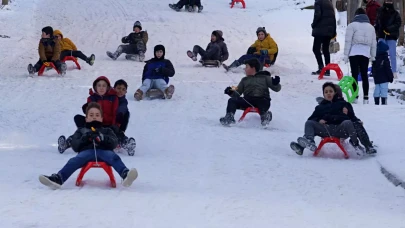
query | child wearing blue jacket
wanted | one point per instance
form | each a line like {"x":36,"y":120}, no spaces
{"x":156,"y":75}
{"x":382,"y":73}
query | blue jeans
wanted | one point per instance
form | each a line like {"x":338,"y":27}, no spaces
{"x":86,"y":156}
{"x":392,"y":44}
{"x":381,"y":90}
{"x":261,"y":58}
{"x":148,"y":84}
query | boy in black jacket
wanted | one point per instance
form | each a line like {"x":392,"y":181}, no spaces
{"x":134,"y":45}
{"x":382,"y":73}
{"x":84,"y":140}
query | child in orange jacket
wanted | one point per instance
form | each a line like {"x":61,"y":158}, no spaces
{"x":68,"y":48}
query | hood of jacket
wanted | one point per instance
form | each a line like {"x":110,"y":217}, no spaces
{"x":362,"y":18}
{"x":57,"y":33}
{"x":382,"y":48}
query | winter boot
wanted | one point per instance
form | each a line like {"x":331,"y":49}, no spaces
{"x":129,"y":176}
{"x":365,"y":100}
{"x":132,"y":57}
{"x":200,"y":8}
{"x":297,"y":148}
{"x":63,"y":68}
{"x":383,"y":100}
{"x":190,"y":8}
{"x":141,"y":56}
{"x":227,"y":119}
{"x":31,"y":69}
{"x":192,"y":55}
{"x":266,"y":118}
{"x":138,"y":95}
{"x":169,"y":91}
{"x":54,"y":181}
{"x":359,"y":149}
{"x":377,"y":100}
{"x":307,"y":142}
{"x":91,"y":59}
{"x":235,"y":64}
{"x":130,"y":146}
{"x":64,"y":143}
{"x":327,"y":73}
{"x":318,"y":72}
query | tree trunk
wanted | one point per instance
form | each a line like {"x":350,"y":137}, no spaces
{"x":401,"y":6}
{"x":352,"y":6}
{"x":4,"y":2}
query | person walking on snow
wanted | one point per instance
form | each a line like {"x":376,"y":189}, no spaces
{"x":382,"y":73}
{"x":387,"y":25}
{"x":69,"y":49}
{"x":156,"y":75}
{"x":255,"y":89}
{"x":134,"y":45}
{"x":216,"y":49}
{"x":323,"y":31}
{"x":92,"y":145}
{"x":360,"y":48}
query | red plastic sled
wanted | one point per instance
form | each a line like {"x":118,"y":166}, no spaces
{"x":331,"y":140}
{"x":71,"y":58}
{"x":90,"y":165}
{"x":42,"y":69}
{"x":241,"y":1}
{"x":250,"y":109}
{"x":331,"y":66}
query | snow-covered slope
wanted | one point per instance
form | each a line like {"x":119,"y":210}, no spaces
{"x":192,"y":171}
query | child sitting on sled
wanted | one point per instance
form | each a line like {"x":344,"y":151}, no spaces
{"x":109,"y":102}
{"x":188,"y":4}
{"x":49,"y":51}
{"x":91,"y":145}
{"x":69,"y":49}
{"x":254,"y":87}
{"x":264,"y":49}
{"x":216,"y":49}
{"x":134,"y":45}
{"x":333,"y":117}
{"x":156,"y":75}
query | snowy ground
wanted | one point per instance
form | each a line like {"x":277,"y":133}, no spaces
{"x":193,"y":172}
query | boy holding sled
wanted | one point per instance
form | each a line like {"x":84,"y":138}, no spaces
{"x":134,"y":45}
{"x":156,"y":75}
{"x":69,"y":49}
{"x":49,"y":51}
{"x":255,"y":88}
{"x":91,"y":142}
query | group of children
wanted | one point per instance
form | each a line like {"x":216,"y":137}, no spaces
{"x":53,"y":48}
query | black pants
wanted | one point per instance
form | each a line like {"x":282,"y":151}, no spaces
{"x":214,"y":53}
{"x":124,"y":122}
{"x":195,"y":3}
{"x":316,"y":48}
{"x":234,"y":103}
{"x":358,"y":64}
{"x":132,"y":49}
{"x":362,"y":134}
{"x":76,"y":54}
{"x":39,"y":64}
{"x":182,"y":3}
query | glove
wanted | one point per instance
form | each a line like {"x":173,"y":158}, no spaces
{"x":228,"y":91}
{"x":158,"y":70}
{"x":264,"y":52}
{"x":96,"y":136}
{"x":251,"y":50}
{"x":46,"y":63}
{"x":275,"y":80}
{"x":386,"y":33}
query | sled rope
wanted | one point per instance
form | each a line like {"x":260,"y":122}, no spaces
{"x":239,"y":93}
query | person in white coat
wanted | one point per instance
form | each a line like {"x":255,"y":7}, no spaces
{"x":360,"y":48}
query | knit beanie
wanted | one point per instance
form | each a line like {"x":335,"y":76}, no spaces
{"x":138,"y":24}
{"x":261,"y":29}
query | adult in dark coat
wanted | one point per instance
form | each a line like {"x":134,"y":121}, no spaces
{"x":323,"y":30}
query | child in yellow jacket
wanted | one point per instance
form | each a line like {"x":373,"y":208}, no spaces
{"x":264,"y":48}
{"x":68,"y":48}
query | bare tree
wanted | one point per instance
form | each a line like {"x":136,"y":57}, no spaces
{"x":352,"y":5}
{"x":4,"y":2}
{"x":401,"y":5}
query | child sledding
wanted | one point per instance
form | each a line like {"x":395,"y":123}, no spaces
{"x":92,"y":142}
{"x":134,"y":45}
{"x":255,"y":88}
{"x":264,"y":49}
{"x":333,"y":117}
{"x":155,"y":76}
{"x":68,"y":48}
{"x":115,"y":114}
{"x":49,"y":51}
{"x":190,"y":5}
{"x":215,"y":53}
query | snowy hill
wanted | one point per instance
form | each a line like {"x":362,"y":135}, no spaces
{"x":193,"y":172}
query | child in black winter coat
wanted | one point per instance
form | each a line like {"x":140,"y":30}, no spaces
{"x":382,"y":73}
{"x":92,"y":142}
